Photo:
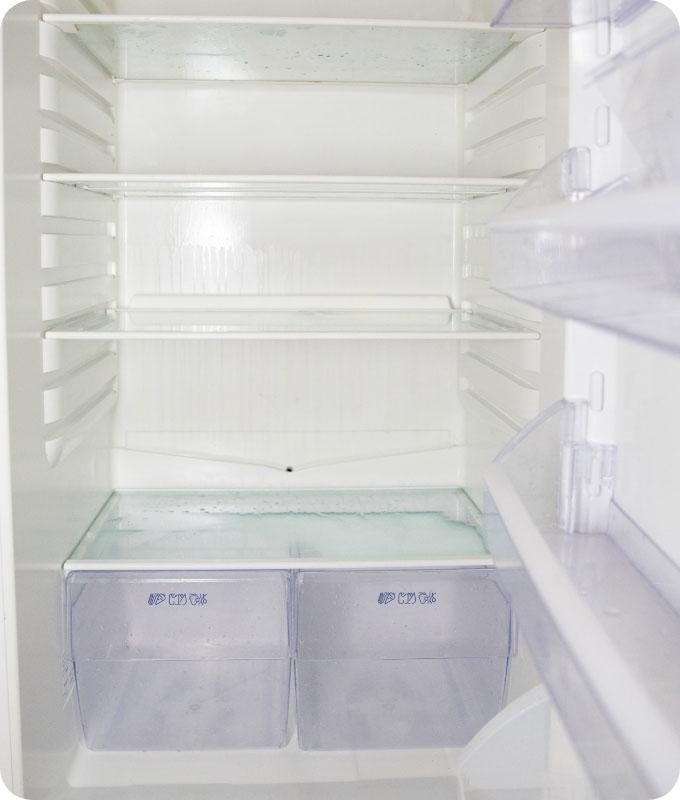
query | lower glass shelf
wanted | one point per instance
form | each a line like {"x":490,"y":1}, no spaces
{"x":344,"y":529}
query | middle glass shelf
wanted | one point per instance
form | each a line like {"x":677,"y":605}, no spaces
{"x":287,"y":317}
{"x":450,"y":189}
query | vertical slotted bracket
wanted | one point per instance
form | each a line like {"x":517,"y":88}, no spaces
{"x":587,"y":477}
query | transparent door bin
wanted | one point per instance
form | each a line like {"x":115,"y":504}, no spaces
{"x":180,"y":661}
{"x":565,"y":13}
{"x":596,"y":601}
{"x":636,"y":83}
{"x":607,"y":258}
{"x":399,"y":659}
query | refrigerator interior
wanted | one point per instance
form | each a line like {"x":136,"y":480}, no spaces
{"x":249,"y":273}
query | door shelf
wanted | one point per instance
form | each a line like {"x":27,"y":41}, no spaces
{"x":242,"y":530}
{"x":165,"y":47}
{"x":287,"y":186}
{"x":255,"y":318}
{"x":607,"y":258}
{"x":597,"y":601}
{"x":634,"y":83}
{"x":565,"y":13}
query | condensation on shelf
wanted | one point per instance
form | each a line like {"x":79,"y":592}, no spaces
{"x":165,"y":47}
{"x":282,"y":529}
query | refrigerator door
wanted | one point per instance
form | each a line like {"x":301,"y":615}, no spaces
{"x":580,"y":504}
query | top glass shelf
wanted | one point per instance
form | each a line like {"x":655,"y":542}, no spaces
{"x":281,"y":529}
{"x":164,"y":47}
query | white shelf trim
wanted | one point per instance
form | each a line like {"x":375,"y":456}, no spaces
{"x":203,"y":19}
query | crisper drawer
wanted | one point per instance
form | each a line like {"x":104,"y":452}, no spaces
{"x":409,"y":658}
{"x":180,"y":660}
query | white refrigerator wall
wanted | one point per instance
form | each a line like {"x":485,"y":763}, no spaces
{"x":51,"y":502}
{"x":335,"y":413}
{"x":515,"y":121}
{"x":198,"y":414}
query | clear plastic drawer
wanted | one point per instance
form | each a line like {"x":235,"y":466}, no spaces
{"x":393,"y":659}
{"x":181,"y":661}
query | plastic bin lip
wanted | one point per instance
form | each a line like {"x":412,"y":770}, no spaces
{"x":187,"y":573}
{"x":487,"y":567}
{"x":176,"y":660}
{"x":78,"y":566}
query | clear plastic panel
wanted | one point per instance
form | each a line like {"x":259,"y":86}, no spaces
{"x":640,"y":84}
{"x":595,"y":608}
{"x":454,"y":613}
{"x":192,"y":616}
{"x":397,"y":703}
{"x":183,"y":705}
{"x":565,"y":13}
{"x":608,"y":258}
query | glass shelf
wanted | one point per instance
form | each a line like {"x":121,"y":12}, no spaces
{"x":284,"y":186}
{"x":596,"y":600}
{"x":281,"y":529}
{"x":378,"y":322}
{"x":164,"y":47}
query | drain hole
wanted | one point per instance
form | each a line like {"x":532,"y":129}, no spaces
{"x":289,"y":469}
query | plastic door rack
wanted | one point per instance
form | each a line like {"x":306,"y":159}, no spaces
{"x":595,"y":599}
